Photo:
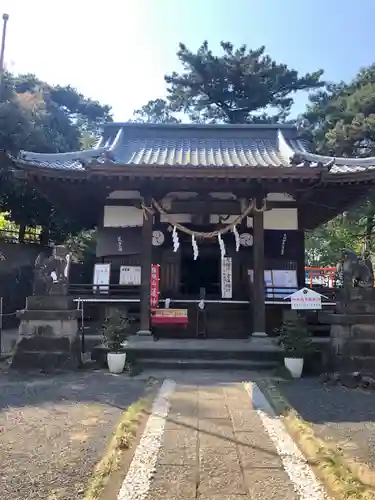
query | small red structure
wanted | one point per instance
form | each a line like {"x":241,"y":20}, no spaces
{"x":169,"y":317}
{"x":323,"y":276}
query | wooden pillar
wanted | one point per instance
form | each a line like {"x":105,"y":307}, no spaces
{"x":301,"y":276}
{"x":259,"y":307}
{"x":146,"y":262}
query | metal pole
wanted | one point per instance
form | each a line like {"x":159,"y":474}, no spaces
{"x":2,"y":51}
{"x":83,"y":347}
{"x":80,"y":308}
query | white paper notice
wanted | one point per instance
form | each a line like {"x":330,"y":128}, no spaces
{"x":102,"y":273}
{"x":284,"y":282}
{"x":130,"y":275}
{"x":226,"y":277}
{"x":285,"y":278}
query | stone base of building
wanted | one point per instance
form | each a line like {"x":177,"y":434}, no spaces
{"x":353,"y":332}
{"x":48,"y":335}
{"x":144,"y":333}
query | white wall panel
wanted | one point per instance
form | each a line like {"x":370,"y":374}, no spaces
{"x":278,"y":218}
{"x":123,"y":195}
{"x":117,"y":216}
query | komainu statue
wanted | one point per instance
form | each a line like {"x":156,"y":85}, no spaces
{"x":50,"y":273}
{"x":355,"y":271}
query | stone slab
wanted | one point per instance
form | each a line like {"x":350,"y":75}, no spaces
{"x":220,"y":473}
{"x":47,"y":361}
{"x":270,"y":484}
{"x":180,"y":421}
{"x":41,"y":343}
{"x":214,"y":409}
{"x":216,"y":433}
{"x":245,"y":420}
{"x":174,"y":482}
{"x":50,"y":303}
{"x":184,"y":456}
{"x":48,"y":315}
{"x":180,"y":438}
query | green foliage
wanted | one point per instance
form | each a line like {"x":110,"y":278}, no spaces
{"x":294,"y":336}
{"x":35,"y":116}
{"x":238,"y":86}
{"x":323,"y":246}
{"x":341,"y":122}
{"x":342,"y":117}
{"x":82,"y":246}
{"x":115,"y":330}
{"x":156,"y":111}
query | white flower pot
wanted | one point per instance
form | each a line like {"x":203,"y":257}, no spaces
{"x":116,"y":361}
{"x":295,"y":366}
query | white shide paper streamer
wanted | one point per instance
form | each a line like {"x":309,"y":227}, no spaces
{"x":237,"y":238}
{"x":195,"y":247}
{"x":222,"y":246}
{"x":176,"y":241}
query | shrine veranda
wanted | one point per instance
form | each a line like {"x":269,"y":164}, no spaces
{"x":219,"y":212}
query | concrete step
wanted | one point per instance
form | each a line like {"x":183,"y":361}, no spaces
{"x":257,"y":350}
{"x":206,"y":364}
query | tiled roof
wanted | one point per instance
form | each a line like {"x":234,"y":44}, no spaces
{"x":197,"y":146}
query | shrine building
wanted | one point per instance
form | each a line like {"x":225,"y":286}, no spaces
{"x":219,"y":212}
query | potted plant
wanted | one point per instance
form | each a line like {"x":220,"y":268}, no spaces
{"x":295,"y":341}
{"x":115,"y":331}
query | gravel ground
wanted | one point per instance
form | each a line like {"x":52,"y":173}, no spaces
{"x":54,"y":429}
{"x":344,"y":416}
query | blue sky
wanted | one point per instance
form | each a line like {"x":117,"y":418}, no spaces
{"x":118,"y":51}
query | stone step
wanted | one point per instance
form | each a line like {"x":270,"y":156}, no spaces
{"x":262,"y":350}
{"x":230,"y":354}
{"x":207,"y":364}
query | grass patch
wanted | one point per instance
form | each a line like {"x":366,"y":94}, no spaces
{"x":344,"y":479}
{"x":120,"y":442}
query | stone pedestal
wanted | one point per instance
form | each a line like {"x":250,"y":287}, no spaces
{"x":48,"y":334}
{"x":353,"y":332}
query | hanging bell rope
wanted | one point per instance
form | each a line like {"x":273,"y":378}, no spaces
{"x":213,"y":234}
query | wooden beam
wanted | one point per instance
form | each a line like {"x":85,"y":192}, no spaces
{"x":226,"y":174}
{"x":199,"y":206}
{"x":228,"y":207}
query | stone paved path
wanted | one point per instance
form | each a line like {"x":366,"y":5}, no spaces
{"x":213,"y":446}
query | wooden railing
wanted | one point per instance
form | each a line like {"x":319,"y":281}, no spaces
{"x":86,"y":289}
{"x":275,"y":295}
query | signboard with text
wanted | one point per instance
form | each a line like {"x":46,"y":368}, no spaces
{"x":154,"y":286}
{"x":171,"y":313}
{"x":102,"y":274}
{"x":305,"y":299}
{"x":226,"y":277}
{"x":130,"y":275}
